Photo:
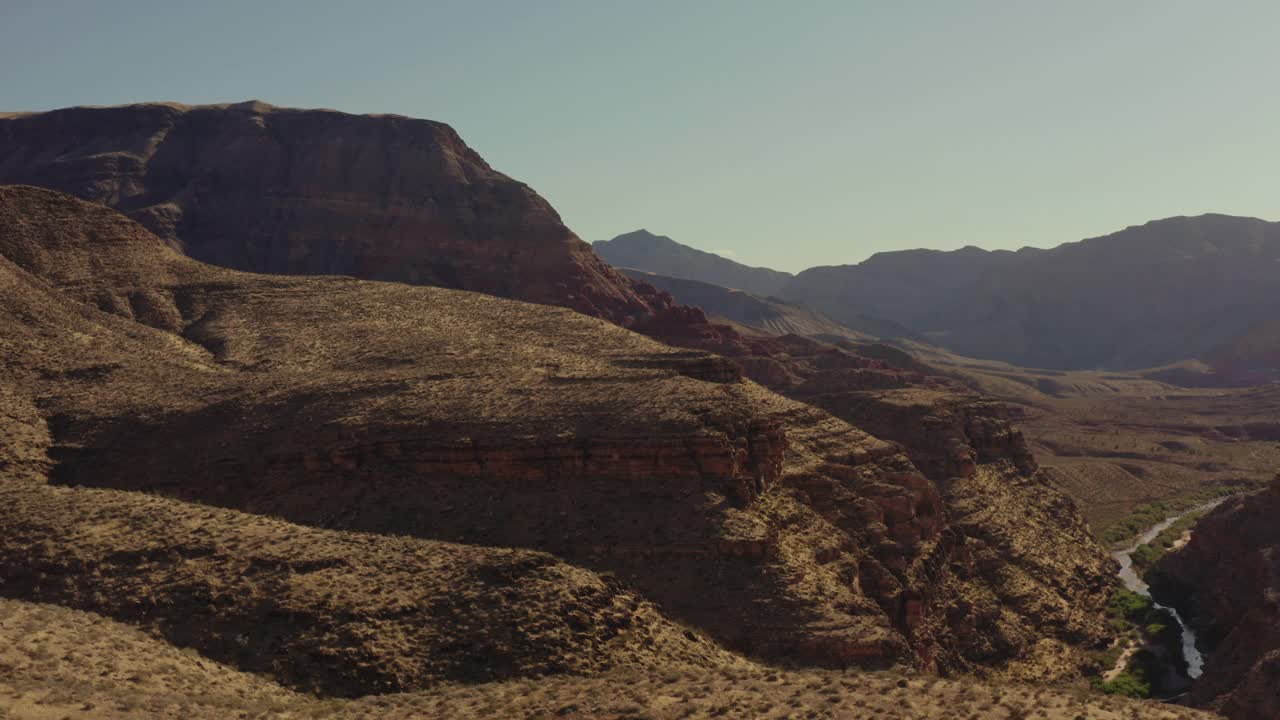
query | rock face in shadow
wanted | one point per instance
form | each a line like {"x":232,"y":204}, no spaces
{"x":771,"y":525}
{"x":1251,"y":358}
{"x":275,"y":190}
{"x":325,"y":611}
{"x":1226,"y":580}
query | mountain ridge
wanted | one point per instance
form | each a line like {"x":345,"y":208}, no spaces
{"x":682,"y":261}
{"x":1155,"y":294}
{"x":258,"y":187}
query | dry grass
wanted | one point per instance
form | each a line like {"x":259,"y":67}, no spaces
{"x":333,"y":612}
{"x":62,"y":663}
{"x":287,"y":396}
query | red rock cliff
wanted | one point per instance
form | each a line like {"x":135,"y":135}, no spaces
{"x":255,"y":187}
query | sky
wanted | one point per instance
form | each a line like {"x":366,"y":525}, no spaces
{"x":789,"y":134}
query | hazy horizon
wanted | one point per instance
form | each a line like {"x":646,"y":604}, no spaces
{"x":731,"y":254}
{"x":789,"y":136}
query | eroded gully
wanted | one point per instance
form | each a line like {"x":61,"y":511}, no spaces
{"x":1132,"y":581}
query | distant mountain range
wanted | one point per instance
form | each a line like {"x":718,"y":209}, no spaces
{"x":757,"y":313}
{"x":1172,"y":290}
{"x":769,"y":314}
{"x":660,"y":254}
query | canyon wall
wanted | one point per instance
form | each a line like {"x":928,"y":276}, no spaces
{"x":1226,"y":581}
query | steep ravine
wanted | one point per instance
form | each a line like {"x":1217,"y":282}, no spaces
{"x":1226,"y":582}
{"x":1134,"y":583}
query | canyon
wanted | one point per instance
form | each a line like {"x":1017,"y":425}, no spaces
{"x":1226,"y":581}
{"x":430,"y":474}
{"x":1135,"y":449}
{"x":148,"y":390}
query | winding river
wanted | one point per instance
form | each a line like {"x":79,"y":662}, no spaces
{"x":1131,"y":580}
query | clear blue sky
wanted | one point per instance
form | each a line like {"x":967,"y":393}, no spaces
{"x":791,"y":133}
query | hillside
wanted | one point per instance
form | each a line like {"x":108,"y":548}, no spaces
{"x":1226,"y":579}
{"x":1249,"y":358}
{"x":772,"y":526}
{"x":768,"y":315}
{"x":1121,"y":443}
{"x":642,"y":250}
{"x":67,"y":664}
{"x":219,"y":182}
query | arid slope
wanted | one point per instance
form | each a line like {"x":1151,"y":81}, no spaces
{"x":773,"y":526}
{"x":66,"y":664}
{"x":1152,"y":294}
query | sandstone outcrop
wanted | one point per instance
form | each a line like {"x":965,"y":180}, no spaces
{"x":976,"y":460}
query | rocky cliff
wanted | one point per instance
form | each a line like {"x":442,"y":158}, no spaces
{"x":256,"y":187}
{"x":771,"y":525}
{"x":1226,"y":580}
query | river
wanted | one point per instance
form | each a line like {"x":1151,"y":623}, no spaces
{"x":1195,"y":661}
